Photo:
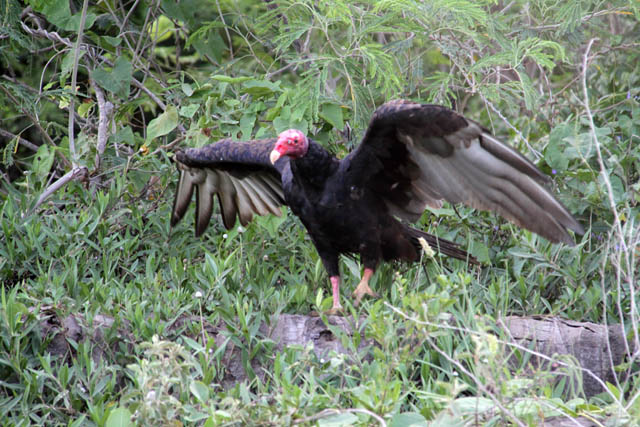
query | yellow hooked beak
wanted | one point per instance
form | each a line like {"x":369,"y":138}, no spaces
{"x":274,"y":156}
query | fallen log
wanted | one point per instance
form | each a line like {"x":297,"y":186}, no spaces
{"x":597,"y":349}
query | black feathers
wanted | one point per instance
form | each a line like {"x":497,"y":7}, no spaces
{"x":411,"y":156}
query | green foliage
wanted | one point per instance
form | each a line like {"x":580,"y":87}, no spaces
{"x":166,"y":74}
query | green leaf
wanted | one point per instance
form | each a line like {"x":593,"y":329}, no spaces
{"x":187,"y":89}
{"x":260,"y":87}
{"x":332,"y":114}
{"x":480,"y":251}
{"x":200,"y":391}
{"x":189,"y":110}
{"x":161,"y":29}
{"x":112,"y":41}
{"x":346,"y":419}
{"x":43,"y":162}
{"x":408,"y":419}
{"x":554,"y":153}
{"x":286,"y":121}
{"x":213,"y":45}
{"x":58,"y":13}
{"x":163,"y":124}
{"x":124,"y":134}
{"x":229,"y":79}
{"x":246,"y":125}
{"x":84,"y":108}
{"x":473,"y":405}
{"x":119,"y":417}
{"x":117,"y":80}
{"x":67,"y":64}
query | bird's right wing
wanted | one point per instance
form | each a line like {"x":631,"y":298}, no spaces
{"x":238,"y":173}
{"x":414,"y":155}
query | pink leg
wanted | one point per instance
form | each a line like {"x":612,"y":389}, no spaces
{"x":335,"y":285}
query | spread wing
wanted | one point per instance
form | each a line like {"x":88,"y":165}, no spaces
{"x":238,"y":173}
{"x":415,"y":155}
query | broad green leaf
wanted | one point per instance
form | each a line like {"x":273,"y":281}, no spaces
{"x":409,"y":419}
{"x":42,"y":162}
{"x":124,"y":134}
{"x":67,"y":65}
{"x":554,"y":154}
{"x":113,"y":41}
{"x":346,"y":419}
{"x":480,"y":251}
{"x":116,"y":80}
{"x":472,"y":405}
{"x":189,"y":110}
{"x":119,"y":417}
{"x":246,"y":125}
{"x":84,"y":108}
{"x":58,"y":13}
{"x":163,"y":124}
{"x":228,"y":79}
{"x":187,"y":89}
{"x":260,"y":87}
{"x":212,"y":45}
{"x":271,"y":223}
{"x":161,"y":29}
{"x":200,"y":391}
{"x":332,"y":113}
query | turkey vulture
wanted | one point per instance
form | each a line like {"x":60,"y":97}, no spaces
{"x":411,"y":156}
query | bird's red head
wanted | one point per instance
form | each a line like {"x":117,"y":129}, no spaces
{"x":292,"y":143}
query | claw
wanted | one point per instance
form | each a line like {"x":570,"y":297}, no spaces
{"x":333,"y":311}
{"x":363,"y":288}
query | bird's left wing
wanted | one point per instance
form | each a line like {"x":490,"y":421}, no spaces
{"x":415,"y":155}
{"x":238,"y":173}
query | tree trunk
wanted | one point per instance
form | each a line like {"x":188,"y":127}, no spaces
{"x":597,"y":349}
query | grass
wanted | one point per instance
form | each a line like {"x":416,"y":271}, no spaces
{"x":121,"y":260}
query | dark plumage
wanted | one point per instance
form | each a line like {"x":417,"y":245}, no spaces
{"x":411,"y":156}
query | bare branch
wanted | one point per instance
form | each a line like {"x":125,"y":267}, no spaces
{"x":30,"y":145}
{"x":78,"y":172}
{"x":105,"y":112}
{"x":74,"y":79}
{"x":36,"y":122}
{"x":509,"y":344}
{"x":617,"y":224}
{"x":226,"y":30}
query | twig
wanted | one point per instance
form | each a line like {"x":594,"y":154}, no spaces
{"x":36,"y":122}
{"x":226,"y":30}
{"x":596,"y":143}
{"x":75,"y":173}
{"x":105,"y":110}
{"x":510,"y":344}
{"x":583,"y":19}
{"x":30,"y":145}
{"x":74,"y":79}
{"x":612,"y":203}
{"x":50,"y":35}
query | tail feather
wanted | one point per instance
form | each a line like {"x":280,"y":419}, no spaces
{"x":443,"y":246}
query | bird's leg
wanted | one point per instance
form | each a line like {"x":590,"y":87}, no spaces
{"x":363,"y":287}
{"x":335,"y":288}
{"x":330,"y":260}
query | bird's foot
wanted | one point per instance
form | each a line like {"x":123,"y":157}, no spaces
{"x":362,"y":290}
{"x":336,"y":310}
